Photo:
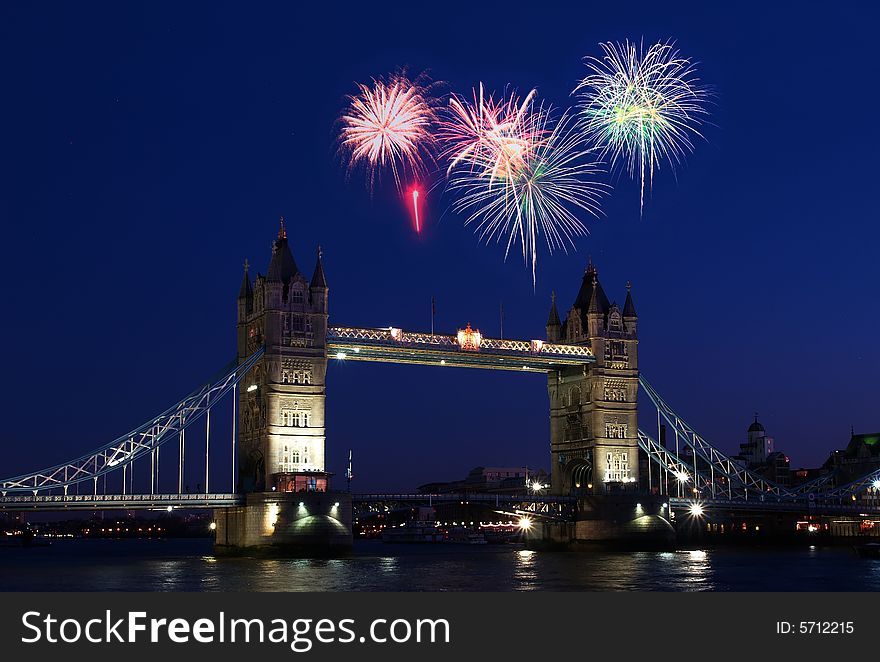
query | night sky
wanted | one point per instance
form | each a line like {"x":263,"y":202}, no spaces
{"x":148,"y":150}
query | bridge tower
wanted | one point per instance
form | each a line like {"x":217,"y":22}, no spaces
{"x":281,"y":401}
{"x":593,"y":409}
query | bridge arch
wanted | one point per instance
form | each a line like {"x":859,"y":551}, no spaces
{"x":577,"y":476}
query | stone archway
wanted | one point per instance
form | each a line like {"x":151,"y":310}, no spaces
{"x":577,"y":476}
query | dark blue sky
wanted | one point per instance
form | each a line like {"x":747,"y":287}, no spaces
{"x":146,"y":151}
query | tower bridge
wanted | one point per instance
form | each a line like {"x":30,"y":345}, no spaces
{"x":278,"y":490}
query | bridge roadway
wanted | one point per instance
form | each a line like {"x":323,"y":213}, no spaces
{"x":469,"y":349}
{"x":536,"y":503}
{"x":18,"y":502}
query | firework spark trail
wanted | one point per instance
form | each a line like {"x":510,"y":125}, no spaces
{"x":389,"y":124}
{"x":641,"y":107}
{"x":493,"y":136}
{"x":415,"y":199}
{"x":538,"y":194}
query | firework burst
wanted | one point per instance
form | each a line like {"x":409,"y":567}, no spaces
{"x":389,"y":125}
{"x":641,"y":107}
{"x":494,"y":138}
{"x":535,"y":192}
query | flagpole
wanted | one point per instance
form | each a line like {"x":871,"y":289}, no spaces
{"x":502,"y":320}
{"x":433,"y":312}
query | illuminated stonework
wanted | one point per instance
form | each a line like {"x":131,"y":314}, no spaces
{"x":282,"y":434}
{"x":593,"y":408}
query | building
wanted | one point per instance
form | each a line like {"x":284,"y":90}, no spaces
{"x":754,"y":452}
{"x":491,"y":480}
{"x":860,"y":457}
{"x":758,"y":455}
{"x":593,"y":409}
{"x":281,"y":400}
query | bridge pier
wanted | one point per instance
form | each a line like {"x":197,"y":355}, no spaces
{"x":621,"y":520}
{"x":286,"y":524}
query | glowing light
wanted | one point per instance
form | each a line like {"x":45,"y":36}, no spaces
{"x":388,"y":125}
{"x":525,"y":523}
{"x":251,"y":388}
{"x":641,"y":107}
{"x":682,"y":476}
{"x":877,"y":484}
{"x":169,"y":508}
{"x":696,"y":509}
{"x":469,"y":338}
{"x":341,"y":355}
{"x":212,"y":526}
{"x":537,"y":486}
{"x":415,"y":200}
{"x":517,"y":175}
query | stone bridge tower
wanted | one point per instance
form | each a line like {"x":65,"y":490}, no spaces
{"x":281,"y":401}
{"x":593,"y":409}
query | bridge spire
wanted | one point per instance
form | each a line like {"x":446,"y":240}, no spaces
{"x":553,"y":319}
{"x":318,"y":278}
{"x":629,"y":309}
{"x":245,"y":292}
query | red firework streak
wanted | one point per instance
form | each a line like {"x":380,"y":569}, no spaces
{"x":415,"y":208}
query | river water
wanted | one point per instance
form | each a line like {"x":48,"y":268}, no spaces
{"x":189,"y":565}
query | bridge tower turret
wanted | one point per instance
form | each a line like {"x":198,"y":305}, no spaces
{"x":593,"y":409}
{"x":281,"y":400}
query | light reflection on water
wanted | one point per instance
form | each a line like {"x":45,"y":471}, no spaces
{"x":189,"y":565}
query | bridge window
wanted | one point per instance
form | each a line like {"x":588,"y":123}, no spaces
{"x":290,"y":458}
{"x":297,"y":323}
{"x":285,"y":377}
{"x":615,"y":430}
{"x":616,"y":466}
{"x":295,"y":418}
{"x":297,"y":295}
{"x":302,"y":376}
{"x":574,"y":396}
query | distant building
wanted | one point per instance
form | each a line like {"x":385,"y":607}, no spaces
{"x":860,"y":457}
{"x":490,"y":480}
{"x":758,"y":455}
{"x":754,"y":452}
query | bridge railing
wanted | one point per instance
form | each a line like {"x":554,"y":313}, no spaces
{"x":392,"y":337}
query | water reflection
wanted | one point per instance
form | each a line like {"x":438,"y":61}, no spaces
{"x":526,"y":570}
{"x":188,"y":565}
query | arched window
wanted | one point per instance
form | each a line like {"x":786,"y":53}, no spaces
{"x":574,"y":396}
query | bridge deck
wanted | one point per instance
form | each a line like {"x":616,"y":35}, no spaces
{"x":467,"y":350}
{"x":805,"y":507}
{"x":118,"y":501}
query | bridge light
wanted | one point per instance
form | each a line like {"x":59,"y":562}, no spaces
{"x":170,"y":508}
{"x":877,"y":484}
{"x":251,"y":388}
{"x":442,"y":361}
{"x":357,"y":350}
{"x":696,"y":509}
{"x":682,"y":477}
{"x":341,"y":355}
{"x":212,"y":526}
{"x":525,"y":523}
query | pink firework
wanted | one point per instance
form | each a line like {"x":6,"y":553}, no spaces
{"x":388,"y":125}
{"x":493,"y":137}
